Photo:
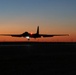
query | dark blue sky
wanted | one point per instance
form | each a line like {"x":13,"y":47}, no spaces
{"x":38,"y":7}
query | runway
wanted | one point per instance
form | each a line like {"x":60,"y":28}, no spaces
{"x":37,"y":58}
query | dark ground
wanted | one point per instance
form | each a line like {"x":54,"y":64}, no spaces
{"x":35,"y":58}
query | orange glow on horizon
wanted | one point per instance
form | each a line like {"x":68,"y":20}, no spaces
{"x":53,"y":27}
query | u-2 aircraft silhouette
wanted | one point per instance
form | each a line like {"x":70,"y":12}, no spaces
{"x":35,"y":35}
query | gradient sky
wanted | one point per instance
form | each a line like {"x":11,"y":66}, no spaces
{"x":53,"y":17}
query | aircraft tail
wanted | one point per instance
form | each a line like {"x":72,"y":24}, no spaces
{"x":37,"y":30}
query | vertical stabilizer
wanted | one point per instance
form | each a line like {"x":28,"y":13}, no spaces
{"x":38,"y":30}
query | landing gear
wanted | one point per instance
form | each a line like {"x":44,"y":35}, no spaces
{"x":28,"y":39}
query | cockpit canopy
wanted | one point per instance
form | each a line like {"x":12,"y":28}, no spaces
{"x":25,"y":34}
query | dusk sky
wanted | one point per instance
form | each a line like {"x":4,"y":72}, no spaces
{"x":52,"y":16}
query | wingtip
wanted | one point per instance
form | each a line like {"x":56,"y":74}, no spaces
{"x":67,"y":34}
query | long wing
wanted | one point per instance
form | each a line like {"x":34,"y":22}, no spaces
{"x":13,"y":35}
{"x":51,"y":35}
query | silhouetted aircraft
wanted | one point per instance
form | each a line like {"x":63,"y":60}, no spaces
{"x":35,"y":35}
